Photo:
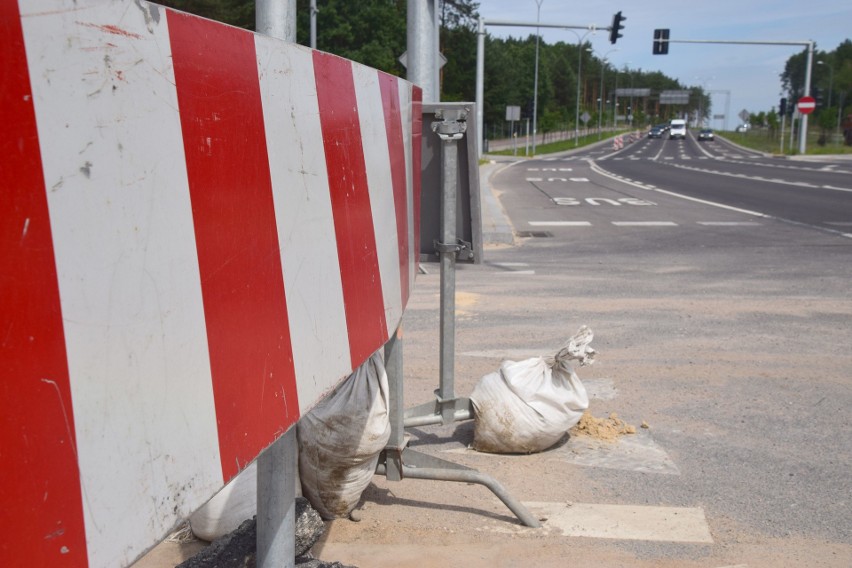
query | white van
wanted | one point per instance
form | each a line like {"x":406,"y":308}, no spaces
{"x":677,"y":129}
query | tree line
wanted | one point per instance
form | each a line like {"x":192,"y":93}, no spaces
{"x":373,"y":32}
{"x":831,"y":86}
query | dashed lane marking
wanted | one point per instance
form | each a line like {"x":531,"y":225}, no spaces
{"x":512,"y":268}
{"x":662,"y":224}
{"x":729,"y":223}
{"x":644,"y":223}
{"x":560,"y":224}
{"x":517,"y":272}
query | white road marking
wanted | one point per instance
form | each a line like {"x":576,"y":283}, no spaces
{"x":625,"y":522}
{"x":839,"y":223}
{"x":644,"y":224}
{"x":729,"y":223}
{"x":508,"y":264}
{"x":517,"y":272}
{"x":597,"y":169}
{"x":560,"y":224}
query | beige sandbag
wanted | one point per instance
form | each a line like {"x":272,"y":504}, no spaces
{"x":341,"y":438}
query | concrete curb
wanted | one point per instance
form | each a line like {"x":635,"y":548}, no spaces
{"x":821,"y":158}
{"x":496,"y":227}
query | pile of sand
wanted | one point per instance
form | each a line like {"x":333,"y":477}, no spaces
{"x":602,"y":428}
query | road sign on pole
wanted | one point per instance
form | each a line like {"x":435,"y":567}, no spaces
{"x":806,"y":105}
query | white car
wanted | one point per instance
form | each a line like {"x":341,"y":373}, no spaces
{"x":677,"y":129}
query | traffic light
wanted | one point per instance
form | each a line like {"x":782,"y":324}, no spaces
{"x":819,"y":96}
{"x":782,"y":107}
{"x":661,"y":42}
{"x":616,"y":27}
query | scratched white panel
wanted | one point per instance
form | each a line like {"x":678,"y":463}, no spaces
{"x":377,"y":159}
{"x":305,"y":223}
{"x":405,"y":104}
{"x":120,"y":214}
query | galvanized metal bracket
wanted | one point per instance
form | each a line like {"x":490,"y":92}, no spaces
{"x":462,"y":249}
{"x":453,"y":124}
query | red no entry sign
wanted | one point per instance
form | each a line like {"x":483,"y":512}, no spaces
{"x":806,"y":105}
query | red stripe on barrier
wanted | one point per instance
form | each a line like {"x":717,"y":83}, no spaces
{"x":416,"y":141}
{"x":242,"y":283}
{"x":350,"y":202}
{"x":389,"y":86}
{"x":42,"y":512}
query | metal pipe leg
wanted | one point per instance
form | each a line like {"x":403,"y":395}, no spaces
{"x":276,"y":503}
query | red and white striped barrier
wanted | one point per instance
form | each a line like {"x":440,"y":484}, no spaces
{"x":202,"y":231}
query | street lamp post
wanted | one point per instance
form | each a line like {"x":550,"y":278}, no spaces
{"x":615,"y":102}
{"x":830,"y":79}
{"x":535,"y":88}
{"x":830,"y":89}
{"x":604,"y":62}
{"x":579,"y":73}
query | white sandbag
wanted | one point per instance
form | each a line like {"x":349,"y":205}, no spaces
{"x":528,"y":406}
{"x":341,"y":438}
{"x":235,"y":503}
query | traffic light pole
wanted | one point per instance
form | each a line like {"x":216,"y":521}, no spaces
{"x":480,"y":62}
{"x":803,"y":130}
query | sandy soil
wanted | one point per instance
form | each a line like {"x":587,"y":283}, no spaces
{"x":434,"y":523}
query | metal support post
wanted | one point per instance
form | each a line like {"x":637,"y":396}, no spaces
{"x":422,"y":466}
{"x":276,"y":503}
{"x":314,"y":24}
{"x":397,"y":460}
{"x":447,"y":408}
{"x":397,"y":441}
{"x":480,"y":85}
{"x":803,"y":122}
{"x":450,"y":130}
{"x":277,"y":465}
{"x":276,"y":18}
{"x":422,"y":49}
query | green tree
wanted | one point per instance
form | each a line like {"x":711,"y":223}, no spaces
{"x":371,"y":32}
{"x":238,"y":13}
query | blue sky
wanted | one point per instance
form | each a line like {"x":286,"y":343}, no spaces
{"x":750,"y":73}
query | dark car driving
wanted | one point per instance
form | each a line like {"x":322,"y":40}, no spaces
{"x":706,"y":135}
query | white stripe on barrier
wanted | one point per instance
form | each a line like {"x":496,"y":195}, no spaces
{"x":303,"y":213}
{"x":376,"y":159}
